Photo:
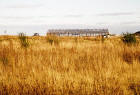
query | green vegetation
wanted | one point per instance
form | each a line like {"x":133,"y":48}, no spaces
{"x":129,"y":38}
{"x":23,"y":40}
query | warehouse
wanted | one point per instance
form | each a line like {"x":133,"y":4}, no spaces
{"x":78,"y":32}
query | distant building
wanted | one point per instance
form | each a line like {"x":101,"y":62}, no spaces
{"x":79,"y":32}
{"x":36,"y":34}
{"x":137,"y":33}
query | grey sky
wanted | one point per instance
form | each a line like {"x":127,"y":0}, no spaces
{"x":39,"y":15}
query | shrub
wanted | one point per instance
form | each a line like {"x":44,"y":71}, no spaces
{"x":128,"y":57}
{"x":5,"y":55}
{"x":135,"y":88}
{"x":129,"y":38}
{"x":4,"y":58}
{"x":23,"y":40}
{"x":137,"y":55}
{"x":102,"y":39}
{"x":53,"y":40}
{"x":76,"y":39}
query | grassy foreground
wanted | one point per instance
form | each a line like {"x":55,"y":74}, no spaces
{"x":69,"y":66}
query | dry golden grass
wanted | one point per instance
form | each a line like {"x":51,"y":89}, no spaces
{"x":73,"y":66}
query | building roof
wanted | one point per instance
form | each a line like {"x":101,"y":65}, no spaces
{"x":79,"y":31}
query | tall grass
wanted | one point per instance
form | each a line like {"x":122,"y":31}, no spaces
{"x":23,"y":40}
{"x":83,"y":67}
{"x":53,"y":40}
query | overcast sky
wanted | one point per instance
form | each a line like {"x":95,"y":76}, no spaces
{"x":32,"y":16}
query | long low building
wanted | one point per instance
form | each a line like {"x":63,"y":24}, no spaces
{"x":78,"y":32}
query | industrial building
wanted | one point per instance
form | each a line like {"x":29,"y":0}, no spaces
{"x":78,"y":32}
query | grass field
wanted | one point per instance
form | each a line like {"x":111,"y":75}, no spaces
{"x":69,"y":66}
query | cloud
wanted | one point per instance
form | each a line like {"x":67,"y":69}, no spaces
{"x":74,"y":16}
{"x":16,"y":6}
{"x":102,"y":23}
{"x":48,"y":16}
{"x":116,"y":14}
{"x":16,"y":17}
{"x":131,"y":23}
{"x":25,"y":17}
